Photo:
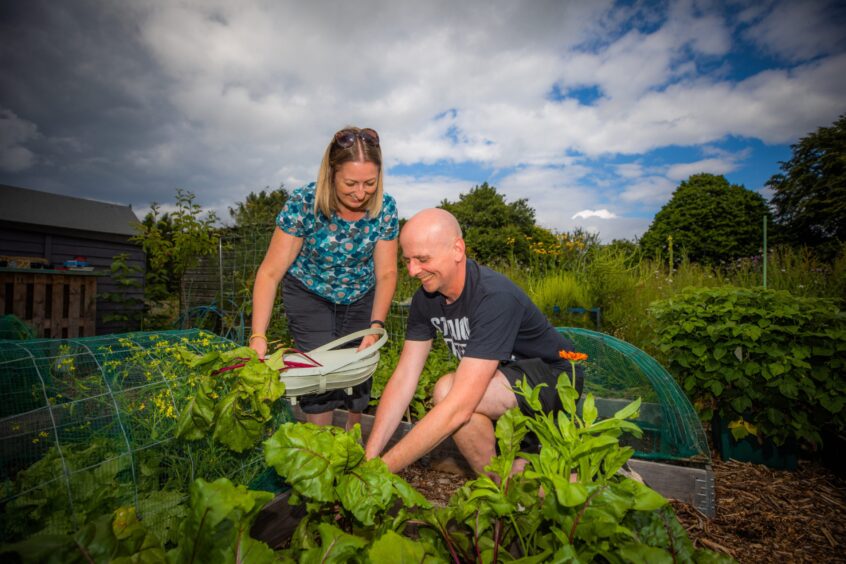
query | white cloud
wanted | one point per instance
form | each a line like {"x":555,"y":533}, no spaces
{"x":620,"y":228}
{"x":629,"y":170}
{"x":600,"y":214}
{"x":284,"y":76}
{"x":555,"y":193}
{"x":683,"y":171}
{"x":799,"y":31}
{"x":223,"y":98}
{"x":14,"y":133}
{"x":417,"y":193}
{"x":648,"y":190}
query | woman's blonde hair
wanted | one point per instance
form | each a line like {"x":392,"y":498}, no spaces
{"x":326,"y":197}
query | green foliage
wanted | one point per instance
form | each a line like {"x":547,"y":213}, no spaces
{"x":498,"y":517}
{"x":810,"y":192}
{"x":174,"y":243}
{"x":117,"y":538}
{"x":12,"y":328}
{"x":438,"y":363}
{"x":631,"y":249}
{"x":488,"y":223}
{"x":559,"y":290}
{"x":160,"y":279}
{"x":96,"y":491}
{"x":130,"y":306}
{"x":327,"y":466}
{"x":798,"y":270}
{"x":218,"y":525}
{"x":710,"y":220}
{"x":215,"y":529}
{"x":233,"y":405}
{"x":765,"y":357}
{"x":624,"y":288}
{"x":119,"y":438}
{"x":259,"y":209}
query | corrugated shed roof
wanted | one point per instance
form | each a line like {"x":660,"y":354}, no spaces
{"x":23,"y":205}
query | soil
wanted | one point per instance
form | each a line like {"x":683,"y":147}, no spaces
{"x":763,"y":515}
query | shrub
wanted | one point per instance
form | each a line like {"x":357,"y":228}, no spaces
{"x":770,"y":362}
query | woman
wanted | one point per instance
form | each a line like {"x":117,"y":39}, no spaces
{"x":335,"y":245}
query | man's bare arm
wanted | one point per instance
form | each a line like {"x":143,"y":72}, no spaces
{"x":397,"y":394}
{"x":469,"y":385}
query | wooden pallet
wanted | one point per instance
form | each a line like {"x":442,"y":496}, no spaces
{"x":55,"y":305}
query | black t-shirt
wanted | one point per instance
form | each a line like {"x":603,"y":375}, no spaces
{"x":493,"y":319}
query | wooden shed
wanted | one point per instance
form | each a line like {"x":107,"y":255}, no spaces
{"x":41,"y":236}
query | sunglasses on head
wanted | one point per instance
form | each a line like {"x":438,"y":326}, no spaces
{"x":346,"y":137}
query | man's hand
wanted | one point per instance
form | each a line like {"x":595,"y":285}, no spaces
{"x":469,"y":385}
{"x":397,"y":395}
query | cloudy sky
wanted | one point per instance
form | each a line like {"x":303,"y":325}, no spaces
{"x":592,"y":110}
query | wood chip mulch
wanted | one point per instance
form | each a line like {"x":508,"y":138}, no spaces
{"x":763,"y":515}
{"x":766,"y":515}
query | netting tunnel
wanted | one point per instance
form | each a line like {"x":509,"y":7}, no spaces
{"x":87,"y":425}
{"x":617,"y":373}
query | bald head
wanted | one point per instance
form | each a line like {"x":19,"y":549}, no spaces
{"x":434,"y":251}
{"x":433,"y":224}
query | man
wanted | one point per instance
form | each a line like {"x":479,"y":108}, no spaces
{"x":489,"y":324}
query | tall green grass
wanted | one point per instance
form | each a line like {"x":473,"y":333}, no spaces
{"x":623,"y":284}
{"x":558,"y":290}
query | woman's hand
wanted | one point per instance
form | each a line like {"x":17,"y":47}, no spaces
{"x":367,"y":341}
{"x":259,"y":344}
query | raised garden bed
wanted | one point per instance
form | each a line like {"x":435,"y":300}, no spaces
{"x":692,"y":484}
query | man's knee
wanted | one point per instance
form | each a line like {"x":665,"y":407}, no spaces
{"x":442,"y":388}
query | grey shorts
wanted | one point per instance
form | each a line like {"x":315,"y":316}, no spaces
{"x":314,"y":321}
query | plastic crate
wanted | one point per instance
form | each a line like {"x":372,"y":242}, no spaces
{"x":750,"y":449}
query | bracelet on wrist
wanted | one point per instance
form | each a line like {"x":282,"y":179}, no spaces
{"x":257,"y":336}
{"x":378,"y":322}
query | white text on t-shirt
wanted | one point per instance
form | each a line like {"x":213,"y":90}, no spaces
{"x":456,"y":333}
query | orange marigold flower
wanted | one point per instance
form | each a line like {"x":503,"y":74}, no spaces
{"x":572,"y":356}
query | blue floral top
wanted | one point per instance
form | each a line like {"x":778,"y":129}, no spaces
{"x":336,"y":261}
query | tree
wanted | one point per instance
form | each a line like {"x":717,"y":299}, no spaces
{"x":491,"y":225}
{"x":710,"y":219}
{"x":810,"y":192}
{"x":259,"y":210}
{"x":161,"y":280}
{"x":174,"y":243}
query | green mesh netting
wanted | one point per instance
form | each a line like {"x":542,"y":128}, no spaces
{"x":617,"y":372}
{"x":11,"y":327}
{"x":87,"y":425}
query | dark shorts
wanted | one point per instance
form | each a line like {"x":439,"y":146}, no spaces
{"x":537,"y":372}
{"x":314,"y":321}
